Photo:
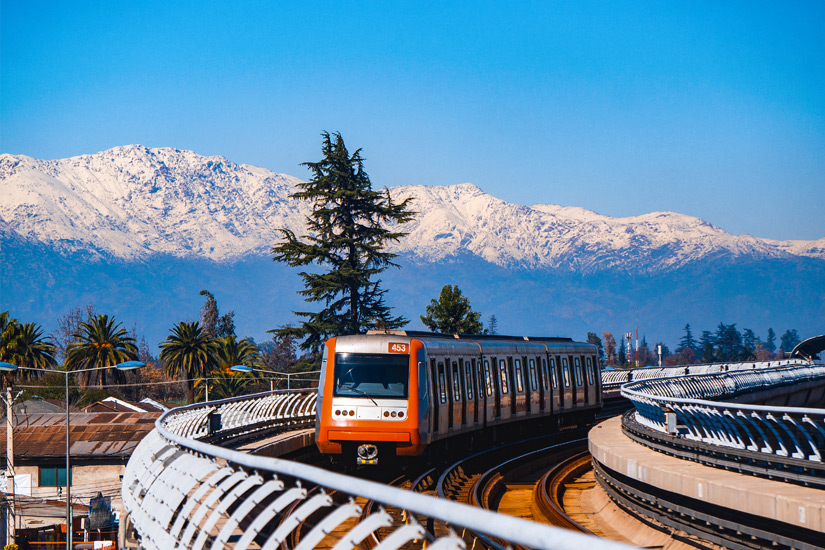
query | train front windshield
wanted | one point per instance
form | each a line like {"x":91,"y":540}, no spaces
{"x":371,"y":375}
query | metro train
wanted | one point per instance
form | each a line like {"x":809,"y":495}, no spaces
{"x":388,"y":394}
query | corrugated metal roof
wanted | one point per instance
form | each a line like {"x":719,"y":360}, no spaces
{"x":92,"y":434}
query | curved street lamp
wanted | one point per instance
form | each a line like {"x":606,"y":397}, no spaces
{"x":244,"y":368}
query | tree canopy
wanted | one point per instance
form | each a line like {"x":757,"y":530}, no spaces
{"x":347,"y":236}
{"x":451,"y":313}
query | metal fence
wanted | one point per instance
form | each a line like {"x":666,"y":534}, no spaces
{"x":614,"y":378}
{"x":183,"y":492}
{"x":693,"y":408}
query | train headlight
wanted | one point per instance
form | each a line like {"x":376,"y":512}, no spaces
{"x":393,"y":414}
{"x":400,"y":414}
{"x":338,"y":413}
{"x":368,"y":451}
{"x":386,"y":414}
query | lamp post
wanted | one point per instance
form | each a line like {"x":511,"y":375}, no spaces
{"x":126,"y":365}
{"x":244,"y":368}
{"x":10,"y":535}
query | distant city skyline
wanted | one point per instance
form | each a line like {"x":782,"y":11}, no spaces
{"x":707,"y":109}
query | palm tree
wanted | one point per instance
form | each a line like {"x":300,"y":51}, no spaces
{"x":9,"y":336}
{"x":189,"y":353}
{"x":231,"y":352}
{"x":99,"y":343}
{"x":9,"y":343}
{"x":222,"y":381}
{"x":33,"y":350}
{"x":223,"y":385}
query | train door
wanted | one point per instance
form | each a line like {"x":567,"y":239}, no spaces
{"x":567,"y":386}
{"x":458,"y":406}
{"x":504,"y":379}
{"x":555,"y":387}
{"x":442,"y":409}
{"x":534,"y":393}
{"x":469,"y":393}
{"x":592,"y":386}
{"x":546,"y":392}
{"x":511,"y":382}
{"x":579,"y":380}
{"x":481,"y":394}
{"x":520,"y":390}
{"x":491,"y":396}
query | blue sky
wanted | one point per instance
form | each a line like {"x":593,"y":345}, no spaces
{"x":713,"y":109}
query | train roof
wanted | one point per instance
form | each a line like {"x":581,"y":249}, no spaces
{"x":471,"y":337}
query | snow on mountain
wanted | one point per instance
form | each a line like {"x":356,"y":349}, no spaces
{"x":134,"y":201}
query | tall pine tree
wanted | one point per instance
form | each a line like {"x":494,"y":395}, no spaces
{"x":346,"y":235}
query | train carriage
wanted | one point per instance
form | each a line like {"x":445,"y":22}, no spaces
{"x":398,"y":393}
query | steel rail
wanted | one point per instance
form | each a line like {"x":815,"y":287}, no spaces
{"x":724,"y":527}
{"x":182,"y":490}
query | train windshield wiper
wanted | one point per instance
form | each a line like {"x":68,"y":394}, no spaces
{"x":356,"y":390}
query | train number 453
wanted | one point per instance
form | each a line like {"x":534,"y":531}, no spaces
{"x":393,"y":347}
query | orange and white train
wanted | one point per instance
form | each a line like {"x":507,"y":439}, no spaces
{"x":398,"y":393}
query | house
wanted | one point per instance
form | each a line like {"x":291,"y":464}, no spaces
{"x":101,"y":443}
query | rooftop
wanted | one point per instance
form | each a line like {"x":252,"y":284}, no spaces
{"x":93,"y":435}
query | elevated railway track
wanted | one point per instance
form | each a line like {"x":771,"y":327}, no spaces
{"x":186,"y":486}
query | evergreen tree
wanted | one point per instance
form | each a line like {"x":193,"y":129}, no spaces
{"x":592,"y":338}
{"x":213,"y":323}
{"x":609,"y":348}
{"x":707,"y":343}
{"x":209,"y":314}
{"x":346,"y":235}
{"x":451,"y":313}
{"x":688,"y":341}
{"x":622,"y":353}
{"x":789,"y":340}
{"x":749,"y":344}
{"x":492,"y":325}
{"x":728,"y":342}
{"x":770,"y":343}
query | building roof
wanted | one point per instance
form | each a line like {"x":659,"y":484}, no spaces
{"x":93,"y":435}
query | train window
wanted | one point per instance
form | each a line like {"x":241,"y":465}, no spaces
{"x":368,"y":375}
{"x":488,"y":378}
{"x":578,"y":374}
{"x":456,"y":383}
{"x":565,"y":372}
{"x":533,"y":384}
{"x":544,"y":376}
{"x":468,"y":380}
{"x":502,"y":368}
{"x":590,"y":373}
{"x":519,"y":383}
{"x":442,"y":383}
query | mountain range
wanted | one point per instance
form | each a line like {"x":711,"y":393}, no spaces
{"x":140,"y":231}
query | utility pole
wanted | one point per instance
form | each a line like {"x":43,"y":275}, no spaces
{"x":9,"y":468}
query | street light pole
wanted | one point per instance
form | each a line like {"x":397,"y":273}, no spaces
{"x":68,"y":471}
{"x":10,"y":466}
{"x":10,"y":514}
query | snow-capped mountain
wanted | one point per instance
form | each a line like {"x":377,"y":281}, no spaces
{"x":132,"y":202}
{"x":138,"y":232}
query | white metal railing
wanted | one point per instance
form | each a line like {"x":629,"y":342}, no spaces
{"x":615,"y":378}
{"x":182,"y":492}
{"x":694,"y":408}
